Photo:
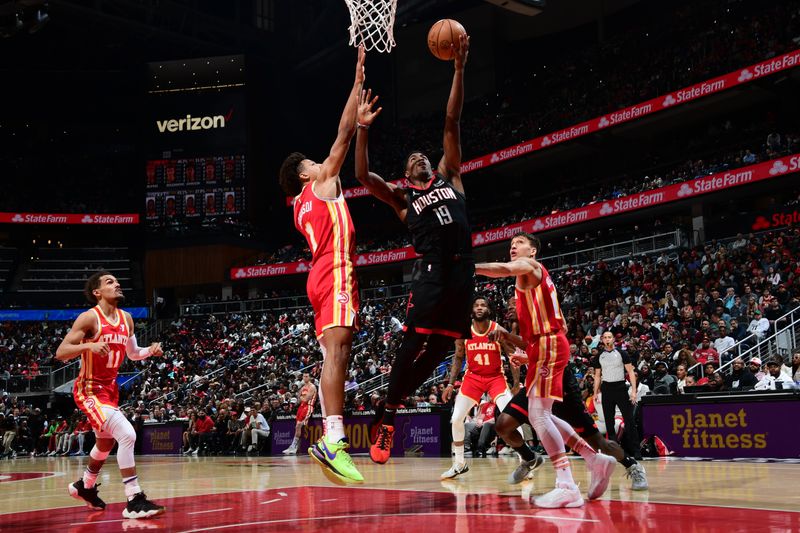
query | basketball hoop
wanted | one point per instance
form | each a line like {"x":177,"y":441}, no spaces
{"x":372,"y":23}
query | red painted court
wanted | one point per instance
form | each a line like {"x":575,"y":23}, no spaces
{"x":335,"y":509}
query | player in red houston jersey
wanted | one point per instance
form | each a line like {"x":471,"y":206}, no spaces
{"x":321,"y":215}
{"x":307,"y":396}
{"x":484,"y":375}
{"x":102,"y":337}
{"x":542,"y":327}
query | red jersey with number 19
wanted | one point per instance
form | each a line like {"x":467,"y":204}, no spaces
{"x":332,"y":286}
{"x":483,"y":355}
{"x":97,"y":382}
{"x":538,"y":311}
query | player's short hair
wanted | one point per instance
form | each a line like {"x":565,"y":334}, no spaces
{"x":408,"y":156}
{"x":289,"y":177}
{"x":532,"y":239}
{"x":94,"y":283}
{"x":477,"y":297}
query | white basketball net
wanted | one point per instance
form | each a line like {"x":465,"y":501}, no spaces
{"x":372,"y":24}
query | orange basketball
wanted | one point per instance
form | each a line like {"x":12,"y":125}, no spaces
{"x":442,"y":38}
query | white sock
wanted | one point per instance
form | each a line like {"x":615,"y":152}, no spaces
{"x":334,"y":425}
{"x":132,"y":487}
{"x":459,"y":449}
{"x":295,"y":442}
{"x":89,"y":478}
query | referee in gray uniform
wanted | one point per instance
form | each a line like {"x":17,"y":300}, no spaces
{"x":609,"y":379}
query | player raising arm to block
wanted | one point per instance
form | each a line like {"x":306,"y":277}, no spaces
{"x":322,"y":216}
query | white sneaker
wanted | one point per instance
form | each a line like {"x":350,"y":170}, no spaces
{"x":507,"y":450}
{"x":561,"y":496}
{"x":194,"y":452}
{"x":455,"y":470}
{"x":291,"y":450}
{"x":601,"y":471}
{"x":638,"y":477}
{"x":250,"y":448}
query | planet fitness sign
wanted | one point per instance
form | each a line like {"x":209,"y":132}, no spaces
{"x":727,"y":430}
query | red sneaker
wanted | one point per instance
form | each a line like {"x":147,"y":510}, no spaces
{"x":380,"y":451}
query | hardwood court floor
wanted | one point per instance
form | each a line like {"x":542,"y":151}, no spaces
{"x":291,"y":494}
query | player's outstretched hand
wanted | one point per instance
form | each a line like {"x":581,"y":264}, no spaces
{"x":155,"y":349}
{"x":461,"y":51}
{"x":366,"y":112}
{"x":360,"y":73}
{"x":99,"y":348}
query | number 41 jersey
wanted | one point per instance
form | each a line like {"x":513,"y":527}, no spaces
{"x":437,"y":220}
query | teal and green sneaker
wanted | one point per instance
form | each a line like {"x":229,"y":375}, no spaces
{"x":336,"y":463}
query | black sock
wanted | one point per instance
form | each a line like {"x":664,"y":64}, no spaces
{"x":388,"y":416}
{"x":628,"y":461}
{"x":525,"y":452}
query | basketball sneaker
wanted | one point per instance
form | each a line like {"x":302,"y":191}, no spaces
{"x":601,"y":471}
{"x":638,"y":477}
{"x":335,"y":460}
{"x":455,"y":471}
{"x":78,"y":491}
{"x":140,"y":507}
{"x":525,"y":470}
{"x":563,"y":495}
{"x":291,"y":450}
{"x":381,"y":448}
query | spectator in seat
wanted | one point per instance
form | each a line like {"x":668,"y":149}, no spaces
{"x":8,"y":427}
{"x":663,"y":382}
{"x":796,"y":366}
{"x":755,"y":368}
{"x":203,"y":431}
{"x":759,"y":325}
{"x":705,"y":353}
{"x":483,"y":429}
{"x":44,"y":438}
{"x":24,"y":438}
{"x":680,"y":375}
{"x":187,"y":435}
{"x":258,"y":428}
{"x":690,"y":381}
{"x":741,"y":378}
{"x":773,"y":311}
{"x":723,"y":343}
{"x":775,"y":379}
{"x":708,"y":370}
{"x":785,"y":370}
{"x":737,"y":330}
{"x":716,"y":383}
{"x":79,"y":435}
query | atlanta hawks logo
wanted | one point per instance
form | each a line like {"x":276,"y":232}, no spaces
{"x":89,"y":403}
{"x":544,"y":371}
{"x":343,"y":298}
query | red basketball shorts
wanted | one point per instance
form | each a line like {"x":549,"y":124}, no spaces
{"x":474,"y":386}
{"x":334,"y":297}
{"x":548,"y":357}
{"x":302,"y":412}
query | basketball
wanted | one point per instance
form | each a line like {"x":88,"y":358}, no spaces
{"x":442,"y":37}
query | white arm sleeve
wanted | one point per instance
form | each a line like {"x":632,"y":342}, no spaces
{"x":135,"y":353}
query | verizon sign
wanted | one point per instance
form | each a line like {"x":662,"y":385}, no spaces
{"x":673,"y":99}
{"x":190,"y":123}
{"x":67,"y":218}
{"x":679,"y":191}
